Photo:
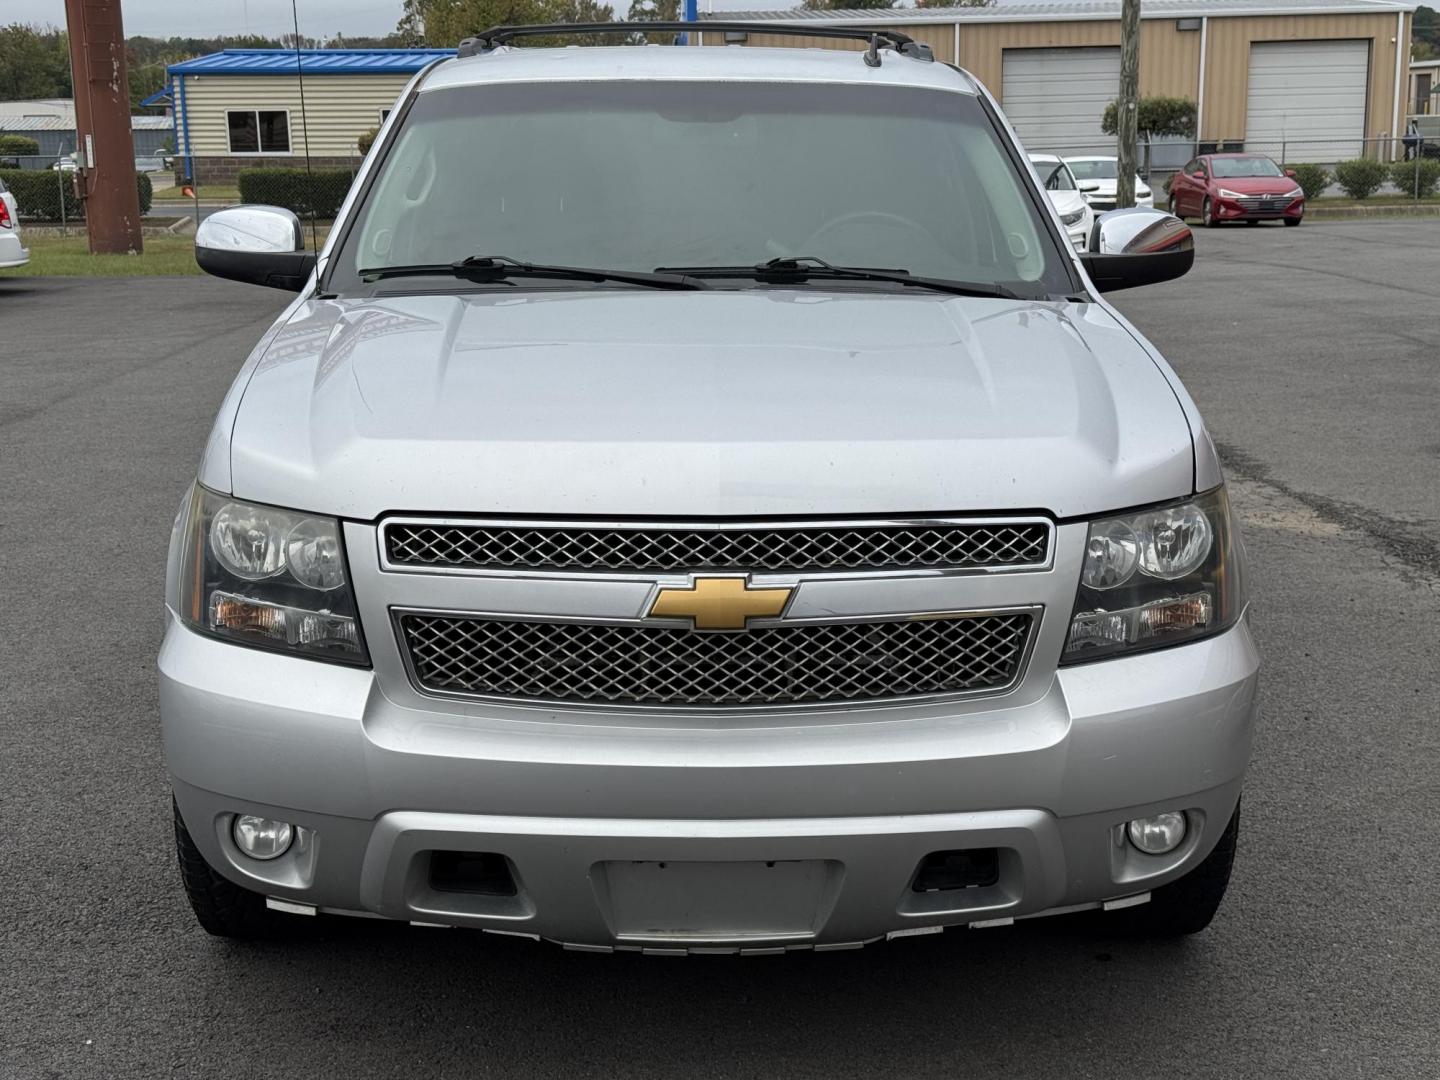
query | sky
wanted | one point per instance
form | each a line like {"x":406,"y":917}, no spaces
{"x":318,"y":18}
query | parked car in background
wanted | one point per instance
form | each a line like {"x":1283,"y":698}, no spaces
{"x":1059,"y":183}
{"x":1097,"y":178}
{"x":1236,"y":187}
{"x":65,"y":164}
{"x":12,"y":251}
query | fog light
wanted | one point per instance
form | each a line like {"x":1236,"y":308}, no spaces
{"x":261,"y":838}
{"x":1159,"y":834}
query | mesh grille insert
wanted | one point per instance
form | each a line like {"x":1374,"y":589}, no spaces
{"x":991,"y":544}
{"x":646,"y":665}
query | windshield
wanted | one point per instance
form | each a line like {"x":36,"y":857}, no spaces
{"x":640,"y":175}
{"x":1093,"y":170}
{"x":1229,"y":167}
{"x":1054,"y":176}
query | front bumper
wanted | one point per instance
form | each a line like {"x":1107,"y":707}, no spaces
{"x":1230,"y":210}
{"x":676,"y":833}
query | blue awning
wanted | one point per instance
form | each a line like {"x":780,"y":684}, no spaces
{"x":160,"y":97}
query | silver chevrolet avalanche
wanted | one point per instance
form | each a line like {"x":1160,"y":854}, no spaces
{"x":699,"y":501}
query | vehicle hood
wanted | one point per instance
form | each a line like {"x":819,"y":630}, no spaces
{"x":1256,"y":185}
{"x":628,"y":402}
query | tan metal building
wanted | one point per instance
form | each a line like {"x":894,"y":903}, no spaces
{"x":1309,"y":80}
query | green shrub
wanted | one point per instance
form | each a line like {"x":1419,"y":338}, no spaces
{"x":367,"y":140}
{"x":320,"y":192}
{"x":1361,"y":177}
{"x":19,"y":145}
{"x":1423,"y":173}
{"x":38,"y":193}
{"x":1313,"y":179}
{"x":1157,"y":115}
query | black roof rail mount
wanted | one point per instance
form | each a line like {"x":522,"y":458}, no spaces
{"x":875,"y":37}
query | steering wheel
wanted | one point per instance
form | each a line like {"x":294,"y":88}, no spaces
{"x":884,"y":217}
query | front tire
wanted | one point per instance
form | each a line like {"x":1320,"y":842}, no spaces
{"x":1187,"y":906}
{"x":1207,"y":215}
{"x":1293,"y":221}
{"x":1173,"y":208}
{"x":222,"y":907}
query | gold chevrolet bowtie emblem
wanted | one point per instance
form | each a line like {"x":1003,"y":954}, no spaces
{"x":719,"y":603}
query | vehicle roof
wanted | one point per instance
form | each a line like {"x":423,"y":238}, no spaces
{"x":1238,"y":153}
{"x":1091,"y":157}
{"x":1047,"y":159}
{"x":528,"y":64}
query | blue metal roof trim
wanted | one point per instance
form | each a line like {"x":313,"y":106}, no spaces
{"x":160,"y":97}
{"x":312,"y":61}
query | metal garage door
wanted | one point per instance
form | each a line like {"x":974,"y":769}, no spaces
{"x":1307,"y":99}
{"x":1055,"y":97}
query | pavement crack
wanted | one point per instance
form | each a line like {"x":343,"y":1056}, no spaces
{"x":1409,"y":544}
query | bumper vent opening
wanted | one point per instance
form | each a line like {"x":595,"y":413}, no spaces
{"x":943,"y":871}
{"x":483,"y":873}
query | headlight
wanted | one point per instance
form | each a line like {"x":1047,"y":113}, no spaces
{"x":1299,"y":192}
{"x":1226,"y":193}
{"x":1074,"y":217}
{"x":1156,"y":577}
{"x":268,"y":577}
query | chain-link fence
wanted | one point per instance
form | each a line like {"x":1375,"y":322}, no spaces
{"x":202,"y":185}
{"x":46,"y":192}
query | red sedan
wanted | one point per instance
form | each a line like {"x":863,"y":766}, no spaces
{"x":1236,"y":187}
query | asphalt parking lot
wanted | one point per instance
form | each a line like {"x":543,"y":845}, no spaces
{"x":1315,"y":356}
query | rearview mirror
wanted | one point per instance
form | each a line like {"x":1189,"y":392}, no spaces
{"x":1290,"y":173}
{"x":1087,"y":186}
{"x":263,"y":245}
{"x":1138,"y":246}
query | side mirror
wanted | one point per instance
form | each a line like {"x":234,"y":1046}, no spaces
{"x":263,"y":245}
{"x":1138,"y":246}
{"x":1290,"y":173}
{"x":1087,"y":186}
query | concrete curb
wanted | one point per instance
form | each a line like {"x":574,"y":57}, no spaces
{"x":1341,"y":213}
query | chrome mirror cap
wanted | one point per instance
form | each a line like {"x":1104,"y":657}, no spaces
{"x":1139,"y":231}
{"x":259,"y":230}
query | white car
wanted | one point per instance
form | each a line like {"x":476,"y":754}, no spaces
{"x":12,"y":251}
{"x":1059,"y":183}
{"x":1096,"y":178}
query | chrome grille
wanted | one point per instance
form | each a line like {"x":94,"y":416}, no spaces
{"x":753,"y":547}
{"x":1263,"y":202}
{"x":647,"y":665}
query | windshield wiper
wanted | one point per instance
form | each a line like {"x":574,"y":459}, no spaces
{"x":502,"y":267}
{"x":799,"y":268}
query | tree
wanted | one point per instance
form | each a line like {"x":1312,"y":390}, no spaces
{"x":952,"y":3}
{"x":1157,"y":115}
{"x":654,"y":11}
{"x":34,"y":63}
{"x":1425,"y":29}
{"x":846,"y":5}
{"x":443,"y":23}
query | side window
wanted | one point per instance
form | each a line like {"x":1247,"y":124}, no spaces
{"x":258,"y":131}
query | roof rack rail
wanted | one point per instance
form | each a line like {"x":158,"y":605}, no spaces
{"x":877,"y":38}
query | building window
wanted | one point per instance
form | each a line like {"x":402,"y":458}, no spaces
{"x":384,"y":115}
{"x":258,"y":131}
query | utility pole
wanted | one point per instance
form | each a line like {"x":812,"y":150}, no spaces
{"x":105,"y":147}
{"x":1125,"y":109}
